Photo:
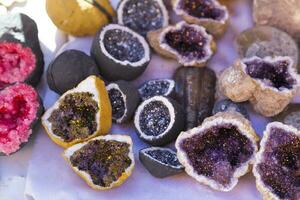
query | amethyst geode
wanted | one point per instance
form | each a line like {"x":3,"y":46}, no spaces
{"x":219,"y":151}
{"x":208,"y":13}
{"x":268,"y":83}
{"x":278,"y":163}
{"x":189,"y":44}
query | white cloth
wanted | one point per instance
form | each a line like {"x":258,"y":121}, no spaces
{"x":50,"y":177}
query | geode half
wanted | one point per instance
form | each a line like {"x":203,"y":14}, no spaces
{"x":189,"y":44}
{"x":219,"y":151}
{"x":143,"y":16}
{"x":208,"y":13}
{"x":268,"y":83}
{"x":278,"y":163}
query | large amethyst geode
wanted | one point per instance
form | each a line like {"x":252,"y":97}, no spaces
{"x":277,"y":164}
{"x":189,"y":44}
{"x":268,"y":83}
{"x":219,"y":151}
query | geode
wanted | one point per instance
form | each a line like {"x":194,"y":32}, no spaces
{"x":278,"y":162}
{"x":159,"y":120}
{"x":151,"y":88}
{"x":189,"y":44}
{"x":263,"y":41}
{"x":226,"y":105}
{"x":195,"y":91}
{"x":124,"y":99}
{"x":104,"y":162}
{"x":20,"y":112}
{"x":79,"y":114}
{"x":20,"y":52}
{"x":143,"y":16}
{"x":68,"y":69}
{"x":208,"y":13}
{"x":219,"y":151}
{"x":268,"y":83}
{"x":160,"y":162}
{"x":120,"y":53}
{"x":290,"y":115}
{"x":282,"y":14}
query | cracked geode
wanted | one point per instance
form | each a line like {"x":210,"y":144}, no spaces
{"x":103,"y":162}
{"x":268,"y":83}
{"x":158,"y":120}
{"x":278,"y":163}
{"x":208,"y":13}
{"x":75,"y":117}
{"x":189,"y":44}
{"x":143,"y":16}
{"x":160,"y":162}
{"x":121,"y":53}
{"x":124,"y":99}
{"x":263,"y":41}
{"x":151,"y":88}
{"x":219,"y":151}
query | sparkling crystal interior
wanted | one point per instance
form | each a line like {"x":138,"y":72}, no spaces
{"x":105,"y":161}
{"x":117,"y":103}
{"x":164,"y":156}
{"x":75,"y":117}
{"x":188,"y":42}
{"x":16,"y":63}
{"x":123,"y":46}
{"x":143,"y":15}
{"x":154,"y":118}
{"x":154,"y":87}
{"x":273,"y":74}
{"x":280,"y":167}
{"x":218,"y":152}
{"x":205,"y":9}
{"x":18,"y":110}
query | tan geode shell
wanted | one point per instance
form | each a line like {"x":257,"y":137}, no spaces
{"x":157,"y":42}
{"x":238,"y":86}
{"x":244,"y":127}
{"x":215,"y":27}
{"x":282,"y":14}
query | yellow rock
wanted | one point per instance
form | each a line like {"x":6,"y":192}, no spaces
{"x":80,"y":17}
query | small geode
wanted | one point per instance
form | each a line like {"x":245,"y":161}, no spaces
{"x":263,"y":41}
{"x":159,"y":120}
{"x":20,"y":111}
{"x":124,"y":99}
{"x":189,"y":44}
{"x":219,"y":151}
{"x":278,"y":163}
{"x":79,"y":114}
{"x":226,"y":105}
{"x":143,"y":16}
{"x":195,"y":91}
{"x":20,"y":52}
{"x":121,"y":53}
{"x":160,"y":162}
{"x":208,"y":13}
{"x":68,"y":69}
{"x":104,"y":162}
{"x":268,"y":83}
{"x":163,"y":87}
{"x":290,"y":115}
